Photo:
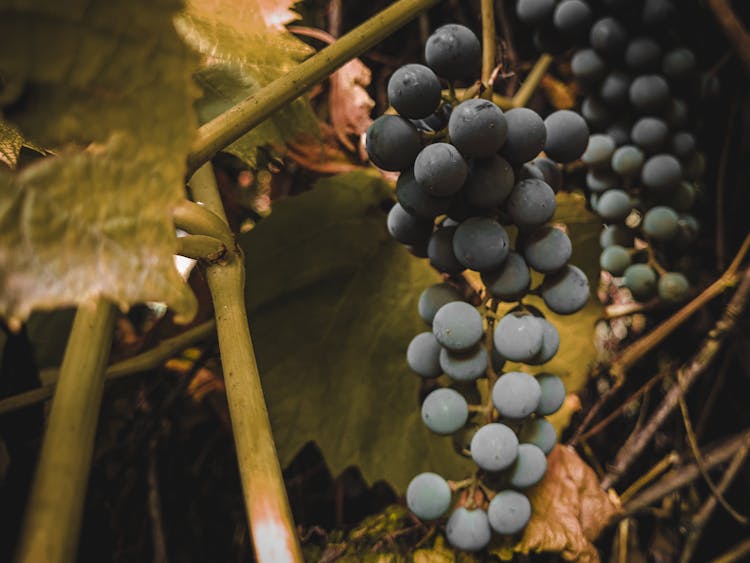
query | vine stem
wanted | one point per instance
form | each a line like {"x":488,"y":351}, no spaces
{"x":54,"y":511}
{"x":266,"y":504}
{"x":489,"y":48}
{"x":145,"y":361}
{"x":241,"y":118}
{"x":733,"y":29}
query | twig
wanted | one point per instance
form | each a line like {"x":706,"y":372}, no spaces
{"x":733,"y":29}
{"x":651,"y":475}
{"x":196,"y":219}
{"x":229,"y":126}
{"x":688,"y":473}
{"x":687,"y":375}
{"x":737,"y":553}
{"x":532,"y":81}
{"x":693,"y":442}
{"x":713,"y":395}
{"x":489,"y":44}
{"x":201,"y":247}
{"x":701,"y":518}
{"x":643,"y":346}
{"x":145,"y":361}
{"x":334,"y":17}
{"x":625,"y":309}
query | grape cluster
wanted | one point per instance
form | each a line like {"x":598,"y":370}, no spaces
{"x":474,"y":193}
{"x":644,"y":169}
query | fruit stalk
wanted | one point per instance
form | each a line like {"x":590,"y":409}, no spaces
{"x":266,"y":504}
{"x":53,"y":515}
{"x":238,"y":120}
{"x":489,"y":45}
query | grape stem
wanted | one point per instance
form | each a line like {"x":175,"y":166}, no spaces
{"x":145,"y":361}
{"x":489,"y":47}
{"x":686,"y":376}
{"x":532,"y":81}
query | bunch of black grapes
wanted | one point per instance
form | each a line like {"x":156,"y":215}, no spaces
{"x":470,"y":178}
{"x":645,"y":169}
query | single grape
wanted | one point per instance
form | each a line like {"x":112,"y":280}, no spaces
{"x":587,"y":66}
{"x":627,"y":161}
{"x":608,"y":36}
{"x":643,"y":54}
{"x":551,"y":172}
{"x":481,"y":244}
{"x":518,"y":338}
{"x":679,"y":63}
{"x":529,"y":468}
{"x":599,"y":151}
{"x":434,"y":297}
{"x":511,"y":281}
{"x":535,"y":12}
{"x":423,"y":355}
{"x":457,"y":326}
{"x":615,"y":259}
{"x":414,"y":91}
{"x":416,"y":201}
{"x":650,"y":134}
{"x":649,"y":93}
{"x":573,"y":17}
{"x":689,"y":228}
{"x":673,"y":287}
{"x":547,"y":249}
{"x":509,"y":512}
{"x":489,"y":183}
{"x":616,"y":234}
{"x":550,"y":344}
{"x":566,"y":291}
{"x":695,"y":167}
{"x":657,"y":12}
{"x":540,"y":432}
{"x":614,"y":205}
{"x":661,"y":173}
{"x":440,"y":169}
{"x":392,"y":143}
{"x":494,"y":447}
{"x":602,"y":180}
{"x":597,"y":114}
{"x":464,"y":366}
{"x":683,"y":145}
{"x":428,"y":496}
{"x":531,"y":203}
{"x":567,"y":136}
{"x":477,"y":128}
{"x":516,"y":395}
{"x":640,"y":279}
{"x":468,"y":530}
{"x":660,"y":223}
{"x":440,"y":251}
{"x":453,"y":52}
{"x":406,"y":228}
{"x":620,"y":132}
{"x":444,"y":411}
{"x":676,"y":114}
{"x":552,"y":395}
{"x":683,"y":197}
{"x":614,"y":90}
{"x":525,"y":136}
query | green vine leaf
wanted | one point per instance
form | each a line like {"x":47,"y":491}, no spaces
{"x":108,"y":85}
{"x":332,"y":301}
{"x":244,"y":48}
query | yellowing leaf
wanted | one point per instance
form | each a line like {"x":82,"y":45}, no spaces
{"x":241,"y":54}
{"x":11,"y":142}
{"x":109,"y":84}
{"x":276,"y":13}
{"x":569,"y":511}
{"x":559,"y":94}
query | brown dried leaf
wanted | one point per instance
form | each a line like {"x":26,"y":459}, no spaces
{"x":349,"y":102}
{"x":320,"y":153}
{"x":569,"y":510}
{"x":559,"y":94}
